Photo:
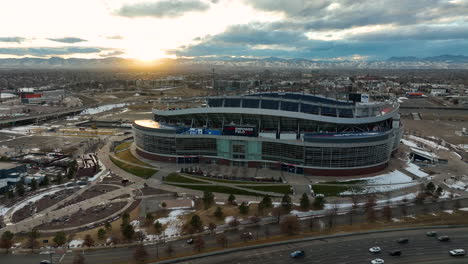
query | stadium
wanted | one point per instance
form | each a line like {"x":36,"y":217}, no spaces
{"x":294,"y":132}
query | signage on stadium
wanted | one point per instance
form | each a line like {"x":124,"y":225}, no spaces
{"x":247,"y":131}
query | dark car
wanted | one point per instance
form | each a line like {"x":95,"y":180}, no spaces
{"x":443,"y":238}
{"x":403,"y":241}
{"x":45,"y":262}
{"x":395,"y":253}
{"x":298,"y":254}
{"x":431,"y":234}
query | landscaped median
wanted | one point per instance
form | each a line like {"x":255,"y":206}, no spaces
{"x":129,"y":163}
{"x":225,"y":186}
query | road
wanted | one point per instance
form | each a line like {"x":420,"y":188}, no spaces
{"x":354,"y":249}
{"x":349,"y":250}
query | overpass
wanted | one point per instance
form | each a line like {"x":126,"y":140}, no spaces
{"x":26,"y":120}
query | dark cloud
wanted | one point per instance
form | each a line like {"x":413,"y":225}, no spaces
{"x":12,"y":39}
{"x":343,"y":14}
{"x":67,"y":40}
{"x":48,"y":51}
{"x":260,"y":40}
{"x":169,"y":8}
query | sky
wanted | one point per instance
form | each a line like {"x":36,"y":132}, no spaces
{"x":308,"y":29}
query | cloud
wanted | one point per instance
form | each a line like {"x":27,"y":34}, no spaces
{"x":115,"y":37}
{"x":112,"y":53}
{"x":67,"y":40}
{"x":48,"y":51}
{"x":169,"y":8}
{"x":260,"y":40}
{"x":12,"y":39}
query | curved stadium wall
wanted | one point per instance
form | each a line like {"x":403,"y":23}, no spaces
{"x":300,"y":143}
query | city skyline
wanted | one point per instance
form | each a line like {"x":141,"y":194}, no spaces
{"x":147,"y":30}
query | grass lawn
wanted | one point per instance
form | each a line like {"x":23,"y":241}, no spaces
{"x":127,"y":155}
{"x":283,"y":189}
{"x":122,"y":146}
{"x":217,"y":189}
{"x":177,"y":178}
{"x":231,"y":181}
{"x":135,"y":170}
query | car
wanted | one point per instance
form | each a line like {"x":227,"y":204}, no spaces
{"x":190,"y":241}
{"x":247,"y":235}
{"x":45,"y":262}
{"x":395,"y":253}
{"x":457,"y":252}
{"x":377,"y":261}
{"x":403,"y":241}
{"x":298,"y":254}
{"x":375,"y":250}
{"x":431,"y":234}
{"x":443,"y":238}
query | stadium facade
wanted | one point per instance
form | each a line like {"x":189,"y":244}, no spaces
{"x":298,"y":133}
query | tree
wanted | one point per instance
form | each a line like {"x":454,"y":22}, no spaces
{"x":420,"y":198}
{"x":319,"y":202}
{"x":231,"y":199}
{"x":286,"y":203}
{"x":430,"y":187}
{"x":438,"y":191}
{"x":59,"y":179}
{"x":6,"y":241}
{"x":267,"y":203}
{"x":219,"y":213}
{"x":60,"y":238}
{"x":32,"y":238}
{"x":371,"y":217}
{"x":370,"y":202}
{"x":169,"y":249}
{"x":78,"y":259}
{"x":108,"y":227}
{"x":139,"y":236}
{"x":10,"y":194}
{"x":125,"y":219}
{"x":33,"y":184}
{"x":290,"y":225}
{"x":211,"y":226}
{"x":157,"y":227}
{"x":128,"y":231}
{"x":20,"y":189}
{"x":208,"y":199}
{"x":101,"y":234}
{"x":222,"y":240}
{"x":255,"y":220}
{"x":163,"y":205}
{"x":199,"y":243}
{"x":243,"y":208}
{"x":149,"y":219}
{"x":196,"y":223}
{"x":45,"y":181}
{"x":387,"y":213}
{"x":305,"y":203}
{"x":88,"y":241}
{"x":140,"y":254}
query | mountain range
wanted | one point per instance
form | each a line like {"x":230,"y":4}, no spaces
{"x":436,"y":62}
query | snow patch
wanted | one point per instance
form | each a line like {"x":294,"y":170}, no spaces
{"x":173,"y":222}
{"x":414,"y":169}
{"x":76,"y":243}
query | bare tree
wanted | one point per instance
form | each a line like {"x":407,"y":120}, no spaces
{"x":290,"y":225}
{"x":78,"y":259}
{"x":199,"y":243}
{"x":255,"y":220}
{"x":88,"y":241}
{"x":387,"y":213}
{"x":169,"y":249}
{"x":222,"y":240}
{"x":211,"y":226}
{"x":140,"y":254}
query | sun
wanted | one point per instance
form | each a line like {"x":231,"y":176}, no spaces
{"x":146,"y":53}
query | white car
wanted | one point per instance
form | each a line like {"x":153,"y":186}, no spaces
{"x":375,"y":250}
{"x":457,"y":252}
{"x":377,"y":261}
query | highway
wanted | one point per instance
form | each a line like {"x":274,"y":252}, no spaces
{"x":354,"y":249}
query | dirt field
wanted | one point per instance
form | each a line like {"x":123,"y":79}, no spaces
{"x":92,"y":192}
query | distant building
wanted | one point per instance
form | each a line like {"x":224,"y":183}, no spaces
{"x":10,"y":174}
